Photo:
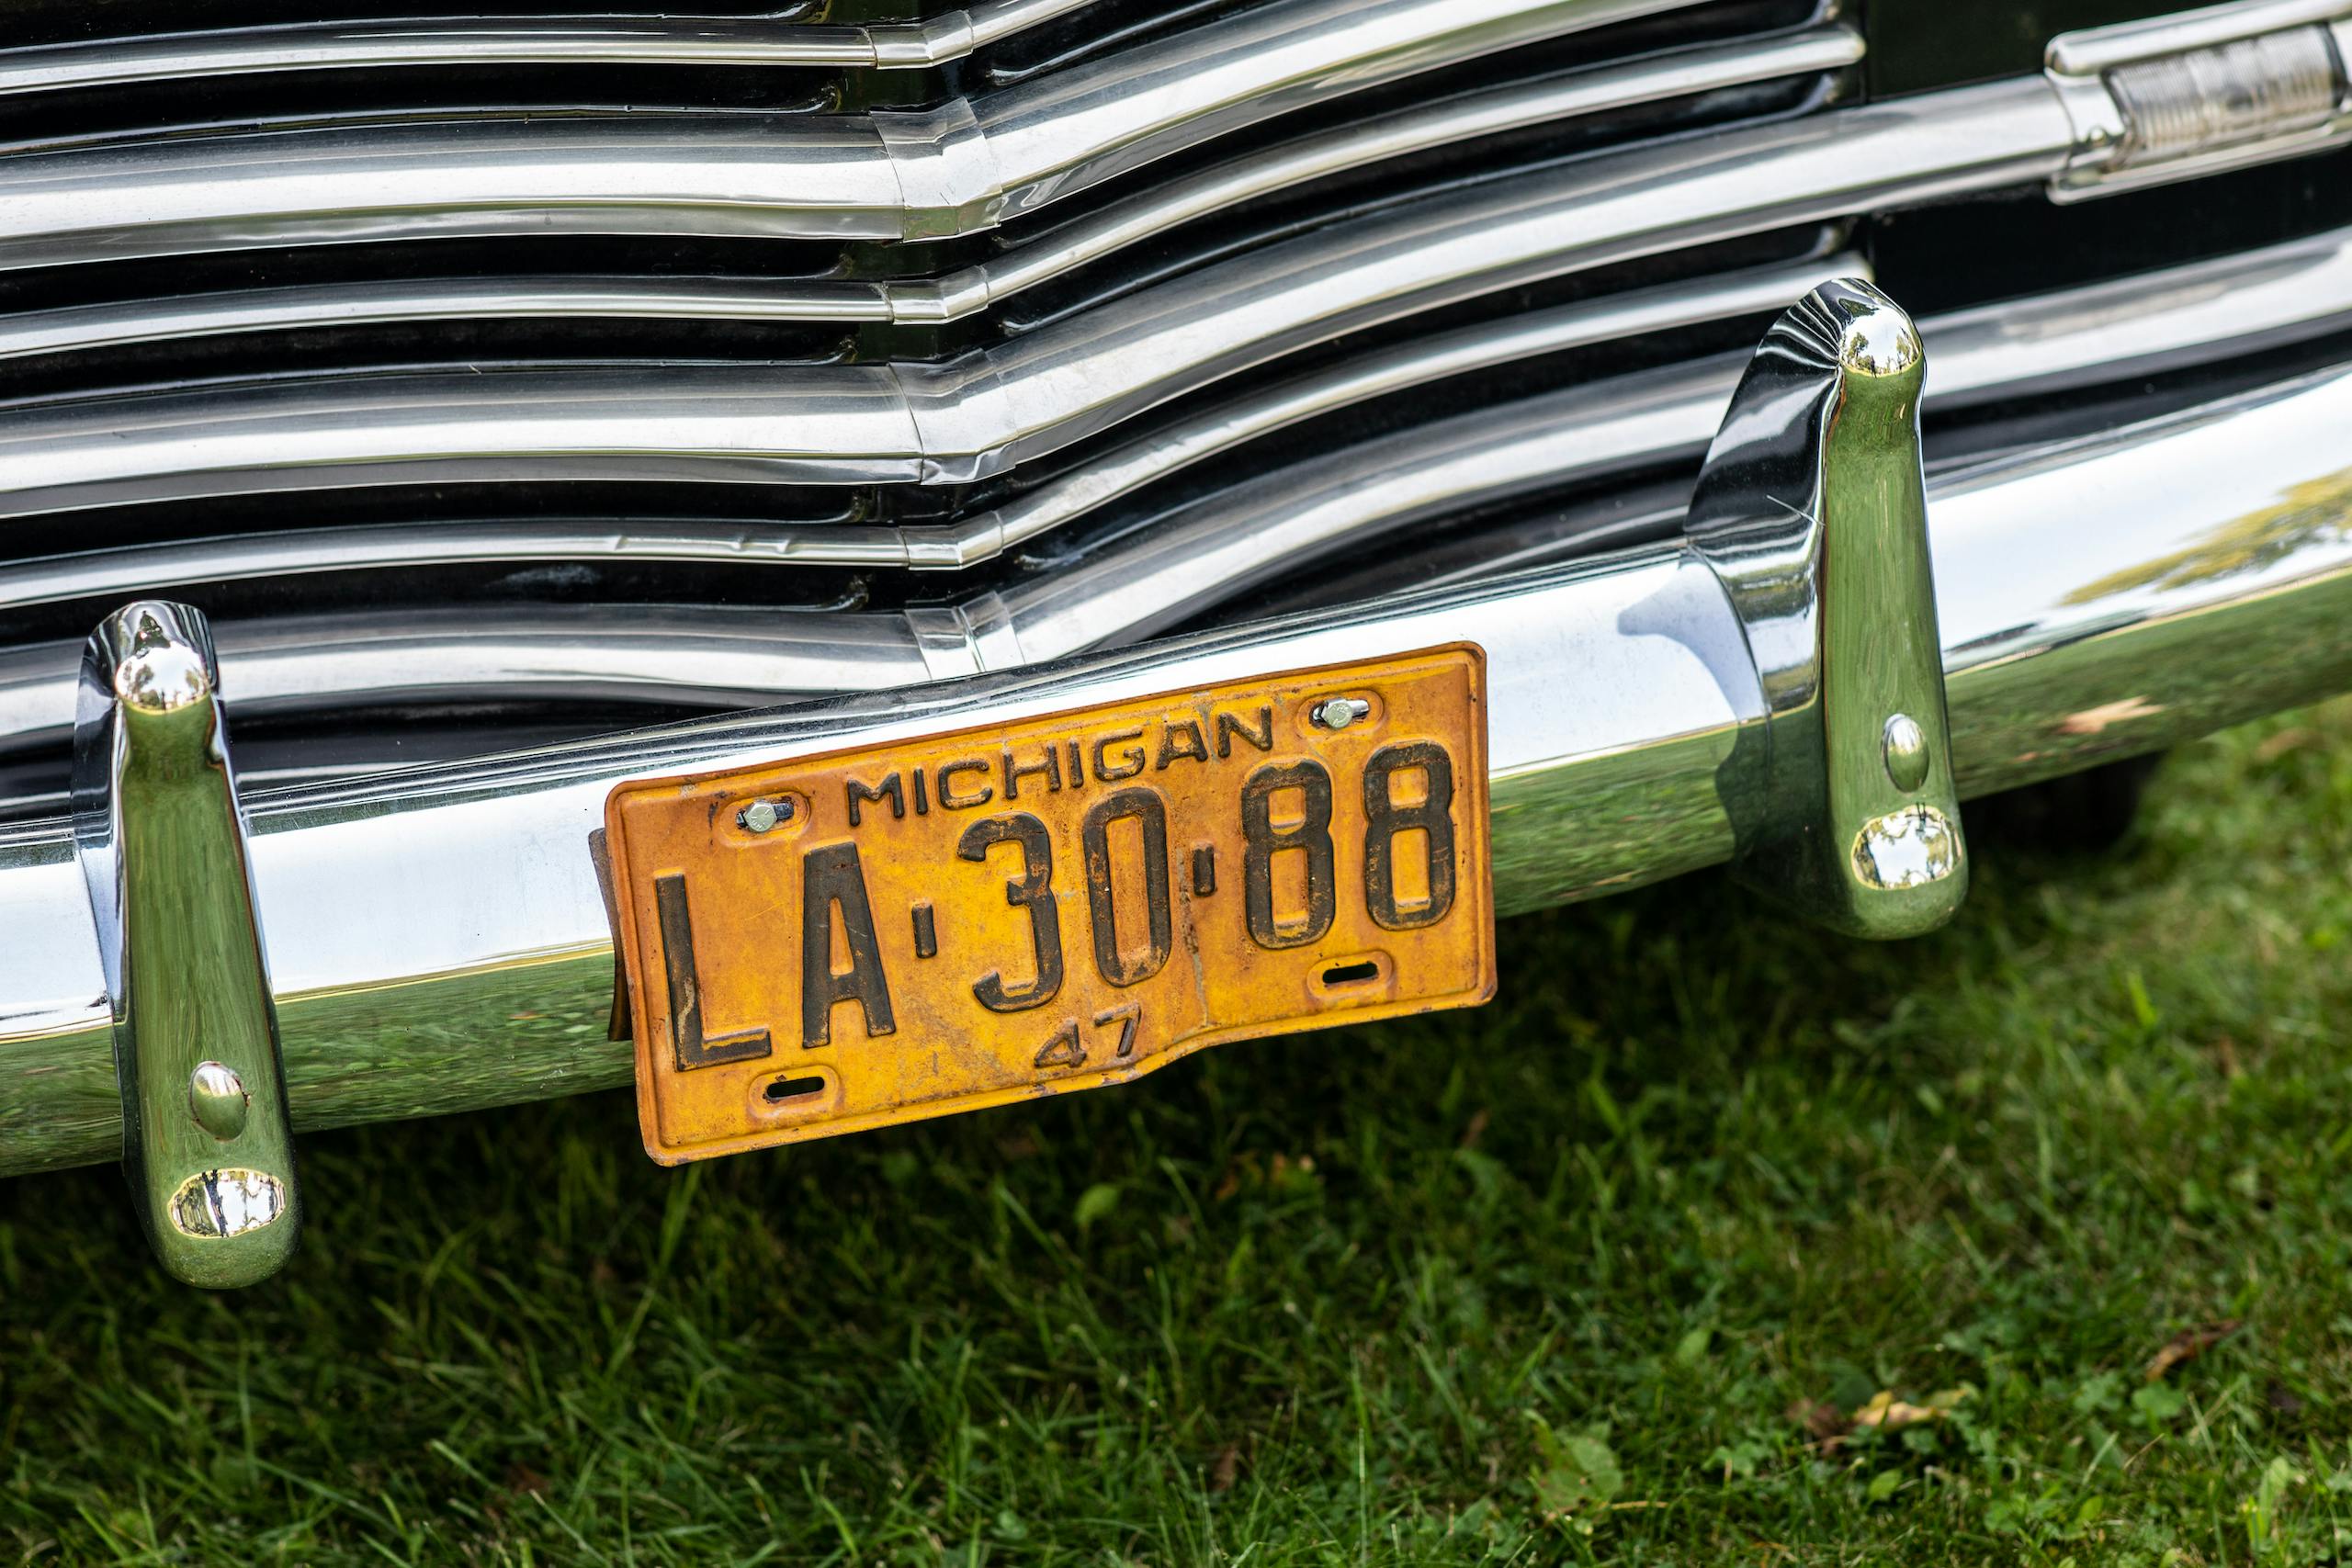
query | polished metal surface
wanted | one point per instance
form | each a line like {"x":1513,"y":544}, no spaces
{"x":1262,"y":172}
{"x":986,"y":410}
{"x":2200,"y":92}
{"x":2093,"y":52}
{"x":2159,"y":100}
{"x":1811,"y":510}
{"x":885,"y":174}
{"x":161,"y":840}
{"x":68,"y":329}
{"x":424,"y":42}
{"x":701,"y":656}
{"x":1185,"y":563}
{"x":2226,"y":526}
{"x":969,"y":541}
{"x":1159,"y":208}
{"x":2145,"y":324}
{"x":2150,"y":323}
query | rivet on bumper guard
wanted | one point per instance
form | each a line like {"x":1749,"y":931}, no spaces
{"x":1812,"y":509}
{"x":206,"y":1139}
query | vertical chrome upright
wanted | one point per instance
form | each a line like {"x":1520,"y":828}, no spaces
{"x":206,"y":1139}
{"x":1812,"y":509}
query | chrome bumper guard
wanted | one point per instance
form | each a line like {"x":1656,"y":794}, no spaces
{"x":205,"y":1135}
{"x":437,"y":941}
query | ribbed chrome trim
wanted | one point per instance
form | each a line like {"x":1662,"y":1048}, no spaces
{"x":2196,"y":93}
{"x":956,"y":295}
{"x":977,"y":415}
{"x":1159,"y":576}
{"x":423,"y":42}
{"x":888,"y":175}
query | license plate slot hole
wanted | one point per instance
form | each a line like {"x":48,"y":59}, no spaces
{"x":1339,"y":976}
{"x":781,"y":1091}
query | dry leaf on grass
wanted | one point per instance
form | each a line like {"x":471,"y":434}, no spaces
{"x":2189,"y":1344}
{"x":1890,"y":1414}
{"x":1225,"y":1467}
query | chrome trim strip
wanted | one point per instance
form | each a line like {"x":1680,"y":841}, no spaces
{"x":1188,"y":562}
{"x":2093,"y":52}
{"x":956,"y":295}
{"x":886,"y":174}
{"x":477,"y":971}
{"x":2198,"y":93}
{"x":69,"y":329}
{"x":991,"y":409}
{"x":2144,"y":325}
{"x":706,"y":655}
{"x":411,"y":42}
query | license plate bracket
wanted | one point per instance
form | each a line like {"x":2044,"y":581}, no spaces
{"x":941,"y":922}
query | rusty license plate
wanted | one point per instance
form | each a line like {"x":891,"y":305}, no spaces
{"x":937,"y":924}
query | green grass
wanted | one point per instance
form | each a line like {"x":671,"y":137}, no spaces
{"x":1557,"y":1282}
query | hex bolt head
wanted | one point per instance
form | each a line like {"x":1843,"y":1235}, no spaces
{"x":1905,"y":747}
{"x":1337,"y":713}
{"x":763,"y":815}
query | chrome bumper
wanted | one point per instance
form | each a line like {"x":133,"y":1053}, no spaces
{"x":438,"y":941}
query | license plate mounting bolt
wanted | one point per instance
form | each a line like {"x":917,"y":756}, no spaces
{"x":1337,"y":713}
{"x":762,"y":816}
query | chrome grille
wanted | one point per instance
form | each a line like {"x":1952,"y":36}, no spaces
{"x":704,"y":363}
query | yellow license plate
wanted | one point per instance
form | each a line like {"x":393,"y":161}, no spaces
{"x":937,"y":924}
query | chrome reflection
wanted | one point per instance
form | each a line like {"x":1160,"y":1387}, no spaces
{"x":1168,"y":449}
{"x":161,"y":838}
{"x":2199,"y":92}
{"x":2161,"y":99}
{"x":2137,"y":325}
{"x":221,"y":1205}
{"x":1811,"y":510}
{"x":424,"y":42}
{"x":1916,"y":847}
{"x":890,"y":174}
{"x":1676,"y":72}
